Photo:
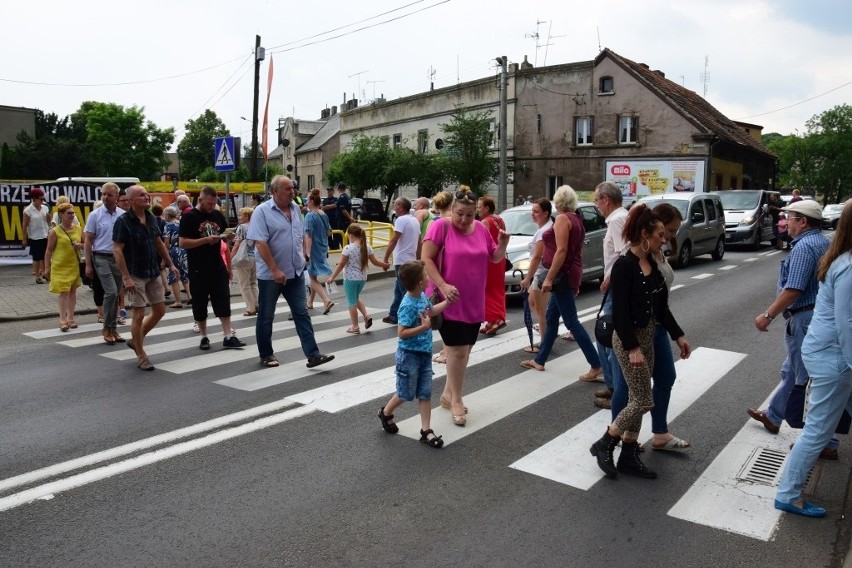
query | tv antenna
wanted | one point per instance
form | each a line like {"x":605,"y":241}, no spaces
{"x":536,"y":37}
{"x":548,"y":44}
{"x":705,"y":76}
{"x":374,"y":87}
{"x":432,"y":72}
{"x":358,"y":74}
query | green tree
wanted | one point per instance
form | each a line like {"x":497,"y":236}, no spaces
{"x":829,"y":141}
{"x":57,"y":149}
{"x":362,"y":165}
{"x":196,"y":147}
{"x":121,"y":142}
{"x":469,"y":157}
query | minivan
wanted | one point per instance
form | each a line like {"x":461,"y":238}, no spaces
{"x":747,"y":216}
{"x":703,"y":227}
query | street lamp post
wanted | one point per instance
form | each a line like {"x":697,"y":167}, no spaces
{"x":501,"y":183}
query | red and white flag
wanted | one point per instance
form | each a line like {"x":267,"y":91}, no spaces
{"x":266,"y":112}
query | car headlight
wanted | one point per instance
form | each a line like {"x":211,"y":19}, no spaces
{"x":523,"y":264}
{"x":747,"y":220}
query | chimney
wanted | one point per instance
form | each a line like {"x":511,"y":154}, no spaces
{"x":324,"y":113}
{"x":645,"y":65}
{"x":526,"y":64}
{"x":660,"y":73}
{"x":333,"y":110}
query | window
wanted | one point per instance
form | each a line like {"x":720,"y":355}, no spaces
{"x":696,"y":212}
{"x":592,"y":220}
{"x":553,"y":183}
{"x":422,"y":140}
{"x":627,"y":128}
{"x":584,"y":130}
{"x":538,"y":123}
{"x":711,"y":211}
{"x":605,"y":85}
{"x":397,"y":140}
{"x":311,"y":184}
{"x":494,"y":129}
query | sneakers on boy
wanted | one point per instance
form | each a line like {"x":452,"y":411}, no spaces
{"x":232,"y":342}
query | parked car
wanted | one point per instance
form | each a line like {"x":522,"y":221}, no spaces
{"x":356,"y":202}
{"x":521,"y":228}
{"x":372,"y":209}
{"x":786,"y":198}
{"x":831,"y":215}
{"x":703,"y":227}
{"x":747,"y":216}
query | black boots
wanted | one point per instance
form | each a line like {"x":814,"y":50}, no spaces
{"x":602,"y":450}
{"x":629,"y":462}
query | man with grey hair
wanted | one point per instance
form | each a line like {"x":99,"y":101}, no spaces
{"x":278,"y":232}
{"x":405,"y":243}
{"x":608,"y":199}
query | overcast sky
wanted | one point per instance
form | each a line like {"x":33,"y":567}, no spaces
{"x":176,"y":58}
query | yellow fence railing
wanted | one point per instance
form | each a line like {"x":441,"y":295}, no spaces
{"x":378,"y":234}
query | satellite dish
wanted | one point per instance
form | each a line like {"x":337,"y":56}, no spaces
{"x":439,"y":143}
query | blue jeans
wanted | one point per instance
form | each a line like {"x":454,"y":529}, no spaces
{"x":293,"y":290}
{"x":611,"y":368}
{"x":562,"y":302}
{"x":793,"y":371}
{"x":830,"y":395}
{"x":663,"y":375}
{"x":413,"y":374}
{"x":398,"y":294}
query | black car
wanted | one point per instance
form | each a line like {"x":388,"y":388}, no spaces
{"x":372,"y":210}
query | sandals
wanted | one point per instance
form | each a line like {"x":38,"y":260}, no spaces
{"x":440,"y":358}
{"x":673,"y":445}
{"x":592,"y":376}
{"x":177,"y":306}
{"x":493,"y":328}
{"x":269,"y":361}
{"x":531,"y":349}
{"x":144,"y":363}
{"x":63,"y":326}
{"x":100,"y":319}
{"x":445,"y":403}
{"x":248,"y":313}
{"x":368,"y":322}
{"x":459,"y":420}
{"x":353,"y":331}
{"x":434,"y":441}
{"x":328,"y":308}
{"x":387,"y":422}
{"x":531,"y":364}
{"x":73,"y":324}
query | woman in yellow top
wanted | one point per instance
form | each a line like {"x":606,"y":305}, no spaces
{"x":62,"y":264}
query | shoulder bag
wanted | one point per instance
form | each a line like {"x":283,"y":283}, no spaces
{"x":604,"y":326}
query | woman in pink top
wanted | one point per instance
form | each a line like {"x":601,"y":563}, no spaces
{"x":457,"y":252}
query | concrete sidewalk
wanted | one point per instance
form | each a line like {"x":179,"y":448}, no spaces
{"x":22,"y":299}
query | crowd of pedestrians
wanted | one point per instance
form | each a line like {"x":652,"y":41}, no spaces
{"x":449,"y":262}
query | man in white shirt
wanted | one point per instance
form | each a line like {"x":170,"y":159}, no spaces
{"x":608,"y":199}
{"x":405,"y":241}
{"x":100,"y":259}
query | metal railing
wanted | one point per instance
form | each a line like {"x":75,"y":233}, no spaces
{"x":377,"y":234}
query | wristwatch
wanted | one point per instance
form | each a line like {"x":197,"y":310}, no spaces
{"x":767,"y":316}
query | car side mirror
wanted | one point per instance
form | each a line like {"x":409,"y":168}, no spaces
{"x":766,"y":208}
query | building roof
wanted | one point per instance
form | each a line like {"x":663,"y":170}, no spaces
{"x":688,"y":103}
{"x":329,"y":129}
{"x":309,"y":127}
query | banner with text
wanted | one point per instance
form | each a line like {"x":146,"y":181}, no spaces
{"x":639,"y":178}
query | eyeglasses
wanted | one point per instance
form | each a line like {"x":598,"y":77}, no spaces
{"x":69,"y":213}
{"x":465,"y":196}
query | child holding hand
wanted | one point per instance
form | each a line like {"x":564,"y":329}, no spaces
{"x":353,"y":263}
{"x":414,"y":352}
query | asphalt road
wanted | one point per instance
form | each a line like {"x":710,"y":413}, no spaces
{"x":301,"y":474}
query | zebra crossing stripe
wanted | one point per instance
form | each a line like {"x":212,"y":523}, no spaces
{"x":718,"y":499}
{"x":566,"y":458}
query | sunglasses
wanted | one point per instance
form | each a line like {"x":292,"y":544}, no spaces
{"x":465,"y":196}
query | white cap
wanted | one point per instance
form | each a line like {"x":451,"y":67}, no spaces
{"x":806,"y":207}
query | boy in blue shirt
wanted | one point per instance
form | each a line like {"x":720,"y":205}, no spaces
{"x":414,"y":352}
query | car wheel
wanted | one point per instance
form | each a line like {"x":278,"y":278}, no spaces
{"x":834,"y":224}
{"x":684,"y":255}
{"x":719,"y":251}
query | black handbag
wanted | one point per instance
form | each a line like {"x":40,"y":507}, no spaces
{"x":604,"y":326}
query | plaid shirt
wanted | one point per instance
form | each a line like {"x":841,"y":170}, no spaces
{"x":799,"y":269}
{"x":140,"y":249}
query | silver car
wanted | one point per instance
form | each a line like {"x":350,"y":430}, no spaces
{"x":831,"y":215}
{"x":521,"y":227}
{"x":703,"y":227}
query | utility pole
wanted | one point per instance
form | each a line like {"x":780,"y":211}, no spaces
{"x":504,"y":82}
{"x":259,"y":55}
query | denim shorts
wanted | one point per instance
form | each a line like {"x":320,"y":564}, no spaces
{"x":413,"y":374}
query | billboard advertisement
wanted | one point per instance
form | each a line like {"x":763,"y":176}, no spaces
{"x":638,"y":178}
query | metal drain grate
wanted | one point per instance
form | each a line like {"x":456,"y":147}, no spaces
{"x":764,"y":466}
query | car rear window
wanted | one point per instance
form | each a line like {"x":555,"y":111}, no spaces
{"x":733,"y":200}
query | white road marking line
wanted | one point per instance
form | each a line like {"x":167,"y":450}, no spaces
{"x":718,"y":499}
{"x":702,"y":276}
{"x":86,"y":477}
{"x":728,"y":267}
{"x":676,"y":287}
{"x":499,"y":400}
{"x":751,"y":259}
{"x":566,"y":458}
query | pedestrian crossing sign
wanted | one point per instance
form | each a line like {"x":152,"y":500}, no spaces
{"x":224,"y":154}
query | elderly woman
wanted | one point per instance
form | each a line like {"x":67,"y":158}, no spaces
{"x":457,"y":252}
{"x":246,"y":273}
{"x":640,"y":300}
{"x":561,"y":251}
{"x":827,"y":355}
{"x":62,"y":264}
{"x":171,"y":238}
{"x":495,"y":283}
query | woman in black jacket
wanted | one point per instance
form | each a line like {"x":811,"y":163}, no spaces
{"x":640,"y":300}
